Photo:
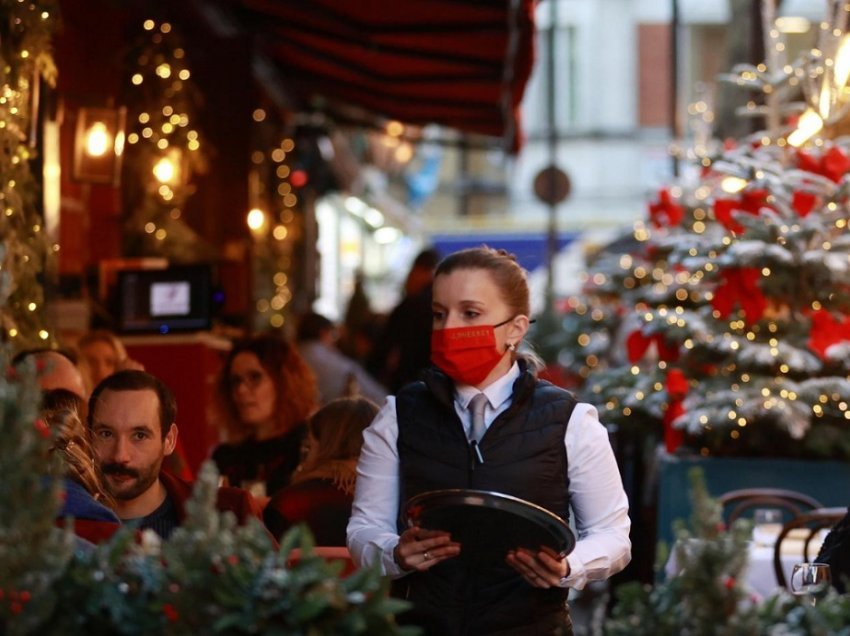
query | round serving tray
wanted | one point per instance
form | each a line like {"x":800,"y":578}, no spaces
{"x":489,"y":524}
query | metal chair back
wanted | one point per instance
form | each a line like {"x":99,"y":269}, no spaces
{"x":742,"y":503}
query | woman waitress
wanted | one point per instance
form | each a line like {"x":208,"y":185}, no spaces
{"x":539,"y":444}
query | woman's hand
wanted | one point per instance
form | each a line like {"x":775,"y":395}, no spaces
{"x":419,"y":549}
{"x":542,"y":569}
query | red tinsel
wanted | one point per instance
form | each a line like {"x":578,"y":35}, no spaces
{"x":740,"y":288}
{"x":833,"y":164}
{"x":666,"y":211}
{"x":827,"y":331}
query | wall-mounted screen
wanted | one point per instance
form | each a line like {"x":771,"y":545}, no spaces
{"x":165,"y":300}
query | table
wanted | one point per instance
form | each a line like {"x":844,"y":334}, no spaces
{"x":759,"y":577}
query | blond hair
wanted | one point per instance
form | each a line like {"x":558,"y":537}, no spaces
{"x":61,"y":414}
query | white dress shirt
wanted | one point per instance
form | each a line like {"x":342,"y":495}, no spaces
{"x":598,"y":501}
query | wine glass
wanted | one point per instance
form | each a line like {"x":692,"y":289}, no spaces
{"x":811,"y":579}
{"x":767,"y":524}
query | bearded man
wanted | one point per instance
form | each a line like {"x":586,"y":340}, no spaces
{"x":132,"y":419}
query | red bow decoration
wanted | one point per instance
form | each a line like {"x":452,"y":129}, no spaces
{"x":666,"y":211}
{"x":637,"y":345}
{"x":833,"y":164}
{"x":803,"y":202}
{"x":677,"y":389}
{"x":750,"y":201}
{"x":740,"y":287}
{"x":827,"y":331}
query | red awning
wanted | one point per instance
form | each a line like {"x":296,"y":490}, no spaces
{"x":459,"y":63}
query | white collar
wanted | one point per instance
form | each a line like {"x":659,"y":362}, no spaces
{"x":497,"y":393}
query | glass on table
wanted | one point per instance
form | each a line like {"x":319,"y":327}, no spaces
{"x":811,"y":580}
{"x":767,"y":524}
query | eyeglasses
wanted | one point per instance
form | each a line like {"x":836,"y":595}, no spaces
{"x":252,"y":380}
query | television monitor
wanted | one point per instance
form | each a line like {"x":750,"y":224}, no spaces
{"x":165,"y":300}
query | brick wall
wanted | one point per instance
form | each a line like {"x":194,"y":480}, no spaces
{"x":654,"y":66}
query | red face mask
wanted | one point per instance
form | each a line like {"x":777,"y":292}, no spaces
{"x":466,"y":354}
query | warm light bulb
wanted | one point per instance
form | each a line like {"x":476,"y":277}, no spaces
{"x":256,"y":219}
{"x":404,"y":153}
{"x":164,"y":170}
{"x":809,"y":124}
{"x":395,"y":128}
{"x":98,"y":139}
{"x":733,"y":185}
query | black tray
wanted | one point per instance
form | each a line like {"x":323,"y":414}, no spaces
{"x":489,"y":524}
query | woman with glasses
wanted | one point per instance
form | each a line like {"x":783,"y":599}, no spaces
{"x":266,"y":395}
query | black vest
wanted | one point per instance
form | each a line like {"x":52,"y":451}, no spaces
{"x":524,"y":457}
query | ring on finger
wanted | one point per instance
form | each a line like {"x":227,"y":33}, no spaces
{"x":426,"y":556}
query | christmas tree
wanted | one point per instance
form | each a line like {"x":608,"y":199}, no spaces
{"x":26,"y":29}
{"x":724,"y":318}
{"x":33,"y":551}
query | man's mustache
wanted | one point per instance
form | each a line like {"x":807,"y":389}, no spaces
{"x":118,"y":469}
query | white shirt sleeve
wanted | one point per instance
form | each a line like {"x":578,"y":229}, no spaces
{"x":598,"y":500}
{"x":372,"y":531}
{"x":599,"y":503}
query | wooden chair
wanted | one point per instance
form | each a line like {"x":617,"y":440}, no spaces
{"x":741,"y":503}
{"x":812,"y":523}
